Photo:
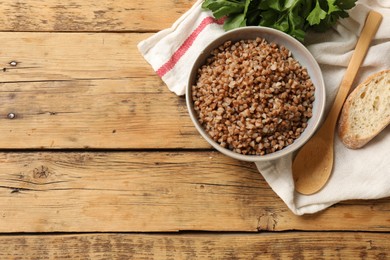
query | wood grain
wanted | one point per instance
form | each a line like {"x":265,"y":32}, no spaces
{"x":87,"y":91}
{"x":156,"y":191}
{"x":131,"y":113}
{"x":69,"y":56}
{"x":198,"y":246}
{"x":87,"y":15}
{"x":72,"y":76}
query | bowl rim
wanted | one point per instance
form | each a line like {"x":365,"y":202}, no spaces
{"x":302,"y":139}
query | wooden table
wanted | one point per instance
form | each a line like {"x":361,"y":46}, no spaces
{"x":99,"y":160}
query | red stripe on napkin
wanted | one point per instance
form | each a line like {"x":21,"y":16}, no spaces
{"x":164,"y":69}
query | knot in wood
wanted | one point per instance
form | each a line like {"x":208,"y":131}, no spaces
{"x":41,"y":172}
{"x":267,"y":221}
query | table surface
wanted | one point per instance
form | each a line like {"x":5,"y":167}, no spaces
{"x":99,"y":160}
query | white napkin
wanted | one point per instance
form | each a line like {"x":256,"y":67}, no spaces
{"x":357,"y":174}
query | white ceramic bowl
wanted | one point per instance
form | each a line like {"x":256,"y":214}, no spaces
{"x":299,"y":52}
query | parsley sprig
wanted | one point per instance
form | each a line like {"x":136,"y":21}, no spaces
{"x":294,"y":17}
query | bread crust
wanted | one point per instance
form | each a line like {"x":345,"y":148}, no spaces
{"x":344,"y":127}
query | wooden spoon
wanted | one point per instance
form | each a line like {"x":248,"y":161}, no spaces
{"x":314,"y":162}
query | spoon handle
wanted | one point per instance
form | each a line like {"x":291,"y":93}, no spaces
{"x":371,"y":26}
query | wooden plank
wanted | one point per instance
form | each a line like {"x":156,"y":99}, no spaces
{"x":128,"y":113}
{"x":136,"y":111}
{"x":83,"y":15}
{"x":68,"y":56}
{"x":293,"y":245}
{"x":156,"y":191}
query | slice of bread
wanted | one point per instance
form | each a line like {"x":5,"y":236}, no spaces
{"x":366,"y":112}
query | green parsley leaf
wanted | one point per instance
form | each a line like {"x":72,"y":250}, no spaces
{"x":235,"y":21}
{"x":221,"y":8}
{"x":316,"y":15}
{"x":332,"y":7}
{"x":345,"y":4}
